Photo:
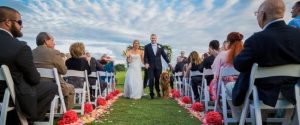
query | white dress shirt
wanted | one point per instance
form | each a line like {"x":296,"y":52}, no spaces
{"x":154,"y":47}
{"x":7,"y":32}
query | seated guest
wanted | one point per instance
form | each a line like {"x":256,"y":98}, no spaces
{"x":95,"y":66}
{"x":283,"y":44}
{"x":195,"y":65}
{"x":33,"y":97}
{"x":179,"y":65}
{"x":45,"y":56}
{"x":207,"y":62}
{"x":225,"y":59}
{"x":178,"y":68}
{"x":78,"y":61}
{"x":296,"y":15}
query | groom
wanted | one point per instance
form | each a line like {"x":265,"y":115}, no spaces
{"x":152,"y":59}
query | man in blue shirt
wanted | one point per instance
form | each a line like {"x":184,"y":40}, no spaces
{"x":296,"y":15}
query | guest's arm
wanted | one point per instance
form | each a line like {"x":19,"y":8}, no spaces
{"x":142,"y":56}
{"x":59,"y":63}
{"x":87,"y":67}
{"x":187,"y":73}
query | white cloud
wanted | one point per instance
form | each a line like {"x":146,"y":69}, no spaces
{"x":110,"y":26}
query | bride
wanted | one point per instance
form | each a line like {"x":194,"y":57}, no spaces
{"x":133,"y":86}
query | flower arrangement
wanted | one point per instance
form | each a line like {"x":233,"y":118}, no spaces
{"x":198,"y":106}
{"x":68,"y":118}
{"x":101,"y":101}
{"x":117,"y":91}
{"x":109,"y":96}
{"x":175,"y":93}
{"x":186,"y":100}
{"x":88,"y":107}
{"x":214,"y":118}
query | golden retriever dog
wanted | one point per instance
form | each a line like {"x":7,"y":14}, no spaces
{"x":164,"y":84}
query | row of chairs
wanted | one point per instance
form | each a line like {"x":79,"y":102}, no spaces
{"x":53,"y":74}
{"x":255,"y":105}
{"x":184,"y":85}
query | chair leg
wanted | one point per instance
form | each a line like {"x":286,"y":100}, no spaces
{"x":52,"y":108}
{"x":4,"y":107}
{"x":288,"y":116}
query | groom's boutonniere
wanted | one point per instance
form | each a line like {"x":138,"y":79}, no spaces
{"x":159,"y":46}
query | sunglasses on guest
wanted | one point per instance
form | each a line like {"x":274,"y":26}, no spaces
{"x":18,"y":21}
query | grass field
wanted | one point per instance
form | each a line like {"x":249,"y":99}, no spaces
{"x":145,"y":111}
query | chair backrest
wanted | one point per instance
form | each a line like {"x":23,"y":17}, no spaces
{"x":224,"y":71}
{"x":228,"y":71}
{"x":77,"y":73}
{"x":53,"y":74}
{"x":9,"y":81}
{"x":263,"y":72}
{"x":195,"y":73}
{"x":207,"y":72}
{"x":110,"y":76}
{"x":5,"y":75}
{"x":101,"y":73}
{"x":292,"y":70}
{"x":178,"y":76}
{"x":82,"y":74}
{"x":93,"y":74}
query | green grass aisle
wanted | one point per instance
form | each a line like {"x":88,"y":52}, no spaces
{"x":146,"y":112}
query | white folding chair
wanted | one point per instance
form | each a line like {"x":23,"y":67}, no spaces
{"x":101,"y":74}
{"x":178,"y":81}
{"x":9,"y":92}
{"x":297,"y":95}
{"x":53,"y":74}
{"x":189,"y":86}
{"x":205,"y":91}
{"x":109,"y":80}
{"x":96,"y":86}
{"x":81,"y":92}
{"x":221,"y":87}
{"x":256,"y":105}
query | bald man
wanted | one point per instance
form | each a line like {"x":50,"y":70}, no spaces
{"x":283,"y":44}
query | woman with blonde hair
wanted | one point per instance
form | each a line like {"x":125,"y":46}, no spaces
{"x":133,"y":86}
{"x":78,"y":61}
{"x":195,"y":64}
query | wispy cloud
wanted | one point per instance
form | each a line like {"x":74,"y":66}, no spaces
{"x":108,"y":26}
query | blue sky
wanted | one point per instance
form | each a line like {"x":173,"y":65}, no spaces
{"x":109,"y":26}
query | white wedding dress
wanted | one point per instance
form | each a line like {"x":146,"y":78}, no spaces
{"x":133,"y":86}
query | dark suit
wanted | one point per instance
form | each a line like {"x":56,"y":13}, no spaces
{"x":155,"y":66}
{"x":32,"y":97}
{"x":278,"y":44}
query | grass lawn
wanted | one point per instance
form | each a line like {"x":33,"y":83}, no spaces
{"x":145,"y":111}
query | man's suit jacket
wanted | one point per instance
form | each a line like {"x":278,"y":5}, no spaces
{"x":17,"y":56}
{"x":49,"y":58}
{"x":154,"y":60}
{"x":278,"y":44}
